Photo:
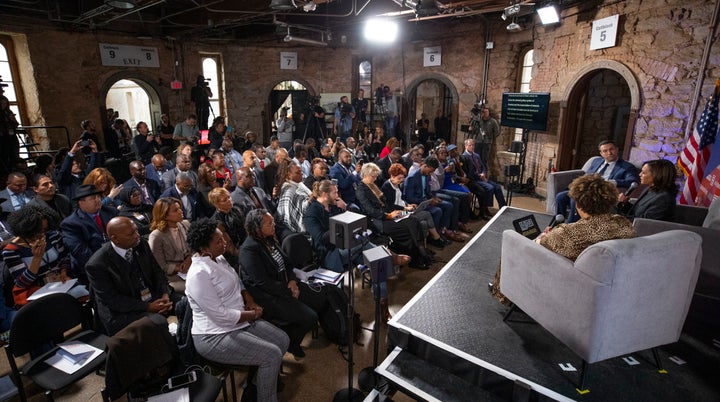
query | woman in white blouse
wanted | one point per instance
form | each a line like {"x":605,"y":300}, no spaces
{"x":226,"y":320}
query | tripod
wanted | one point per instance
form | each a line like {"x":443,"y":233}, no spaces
{"x":379,"y":261}
{"x":350,"y":393}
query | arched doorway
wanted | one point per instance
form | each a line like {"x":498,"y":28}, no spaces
{"x":294,"y":96}
{"x":133,"y":97}
{"x":600,"y":104}
{"x":432,"y":94}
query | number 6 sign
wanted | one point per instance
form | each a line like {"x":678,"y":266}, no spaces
{"x":432,"y":56}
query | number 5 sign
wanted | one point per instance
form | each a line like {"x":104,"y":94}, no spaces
{"x":288,"y":61}
{"x":432,"y":56}
{"x":604,"y":32}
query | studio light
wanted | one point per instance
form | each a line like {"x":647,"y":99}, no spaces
{"x":548,"y":14}
{"x":381,"y":30}
{"x":125,"y":5}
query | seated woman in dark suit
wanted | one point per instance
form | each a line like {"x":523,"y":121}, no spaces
{"x":268,"y":275}
{"x":594,"y":198}
{"x":231,"y":222}
{"x":658,"y":200}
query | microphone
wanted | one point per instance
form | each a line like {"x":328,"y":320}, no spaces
{"x":630,"y":189}
{"x":558,"y":219}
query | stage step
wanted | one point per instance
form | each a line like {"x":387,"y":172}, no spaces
{"x":423,"y":381}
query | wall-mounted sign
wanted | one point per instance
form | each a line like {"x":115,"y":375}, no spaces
{"x":128,"y":56}
{"x":604,"y":32}
{"x":432,"y":56}
{"x":288,"y":61}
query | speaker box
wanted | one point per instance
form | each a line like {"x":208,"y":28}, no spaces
{"x":516,"y":147}
{"x":512,"y":170}
{"x":379,"y":260}
{"x":344,"y":227}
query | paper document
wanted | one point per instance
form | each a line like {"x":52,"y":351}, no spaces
{"x":53,"y":287}
{"x":72,"y":356}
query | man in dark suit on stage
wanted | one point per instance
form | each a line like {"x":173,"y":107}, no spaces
{"x":84,"y":231}
{"x":610,"y":167}
{"x":183,"y":190}
{"x":149,"y":189}
{"x":126,"y":281}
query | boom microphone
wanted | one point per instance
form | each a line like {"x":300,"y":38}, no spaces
{"x":630,"y":189}
{"x":558,"y":219}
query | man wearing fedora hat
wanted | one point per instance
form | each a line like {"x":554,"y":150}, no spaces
{"x":84,"y":231}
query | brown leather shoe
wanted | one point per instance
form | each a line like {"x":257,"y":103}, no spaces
{"x":464,"y":228}
{"x":454,"y":236}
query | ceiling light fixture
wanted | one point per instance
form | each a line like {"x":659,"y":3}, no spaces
{"x":309,"y":6}
{"x":125,"y":5}
{"x":305,"y":41}
{"x":548,"y":14}
{"x":510,"y":11}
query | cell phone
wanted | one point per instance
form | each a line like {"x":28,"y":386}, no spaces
{"x":182,"y":380}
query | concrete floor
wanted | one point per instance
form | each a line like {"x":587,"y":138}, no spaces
{"x":323,"y":371}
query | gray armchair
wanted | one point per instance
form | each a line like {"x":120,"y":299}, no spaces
{"x":618,"y":297}
{"x":705,"y":306}
{"x":560,"y":181}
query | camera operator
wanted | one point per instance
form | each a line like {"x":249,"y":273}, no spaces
{"x":187,"y":131}
{"x":316,"y":127}
{"x":361,"y":108}
{"x":88,"y":134}
{"x":344,"y":115}
{"x":9,"y":145}
{"x":200,"y":95}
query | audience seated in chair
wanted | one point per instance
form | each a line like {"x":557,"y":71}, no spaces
{"x":126,"y":281}
{"x":168,"y":241}
{"x":227,"y":323}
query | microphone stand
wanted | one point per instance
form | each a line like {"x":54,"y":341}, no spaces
{"x":367,"y":379}
{"x":350,"y":393}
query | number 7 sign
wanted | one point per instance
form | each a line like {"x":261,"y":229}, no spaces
{"x":288,"y":61}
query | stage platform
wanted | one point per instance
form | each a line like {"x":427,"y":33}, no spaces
{"x":449,"y":343}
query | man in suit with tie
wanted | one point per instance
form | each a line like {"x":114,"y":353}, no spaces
{"x":84,"y":231}
{"x":248,"y":195}
{"x":182,"y":164}
{"x":610,"y":167}
{"x":149,"y":189}
{"x":126,"y":281}
{"x":156,"y":168}
{"x":183,"y":190}
{"x":347,"y":176}
{"x":476,"y":171}
{"x":250,"y":161}
{"x":16,"y":193}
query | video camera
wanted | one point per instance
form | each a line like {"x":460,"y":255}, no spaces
{"x":345,"y":108}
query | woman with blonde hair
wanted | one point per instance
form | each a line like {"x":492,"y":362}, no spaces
{"x":168,"y":241}
{"x":104,"y":181}
{"x":231,"y":222}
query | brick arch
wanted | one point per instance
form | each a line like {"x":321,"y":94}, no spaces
{"x":146,"y":82}
{"x":409,"y":101}
{"x":570,"y":108}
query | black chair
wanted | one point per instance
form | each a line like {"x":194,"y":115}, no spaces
{"x":41,"y":324}
{"x":298,"y":246}
{"x":140,"y":360}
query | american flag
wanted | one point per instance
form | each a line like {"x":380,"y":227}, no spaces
{"x":696,"y":154}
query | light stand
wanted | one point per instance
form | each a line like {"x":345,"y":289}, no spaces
{"x":347,"y":231}
{"x":378,"y":260}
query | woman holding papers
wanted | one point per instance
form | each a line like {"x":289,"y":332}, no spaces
{"x":36,"y":255}
{"x":227,"y":326}
{"x":268,"y":274}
